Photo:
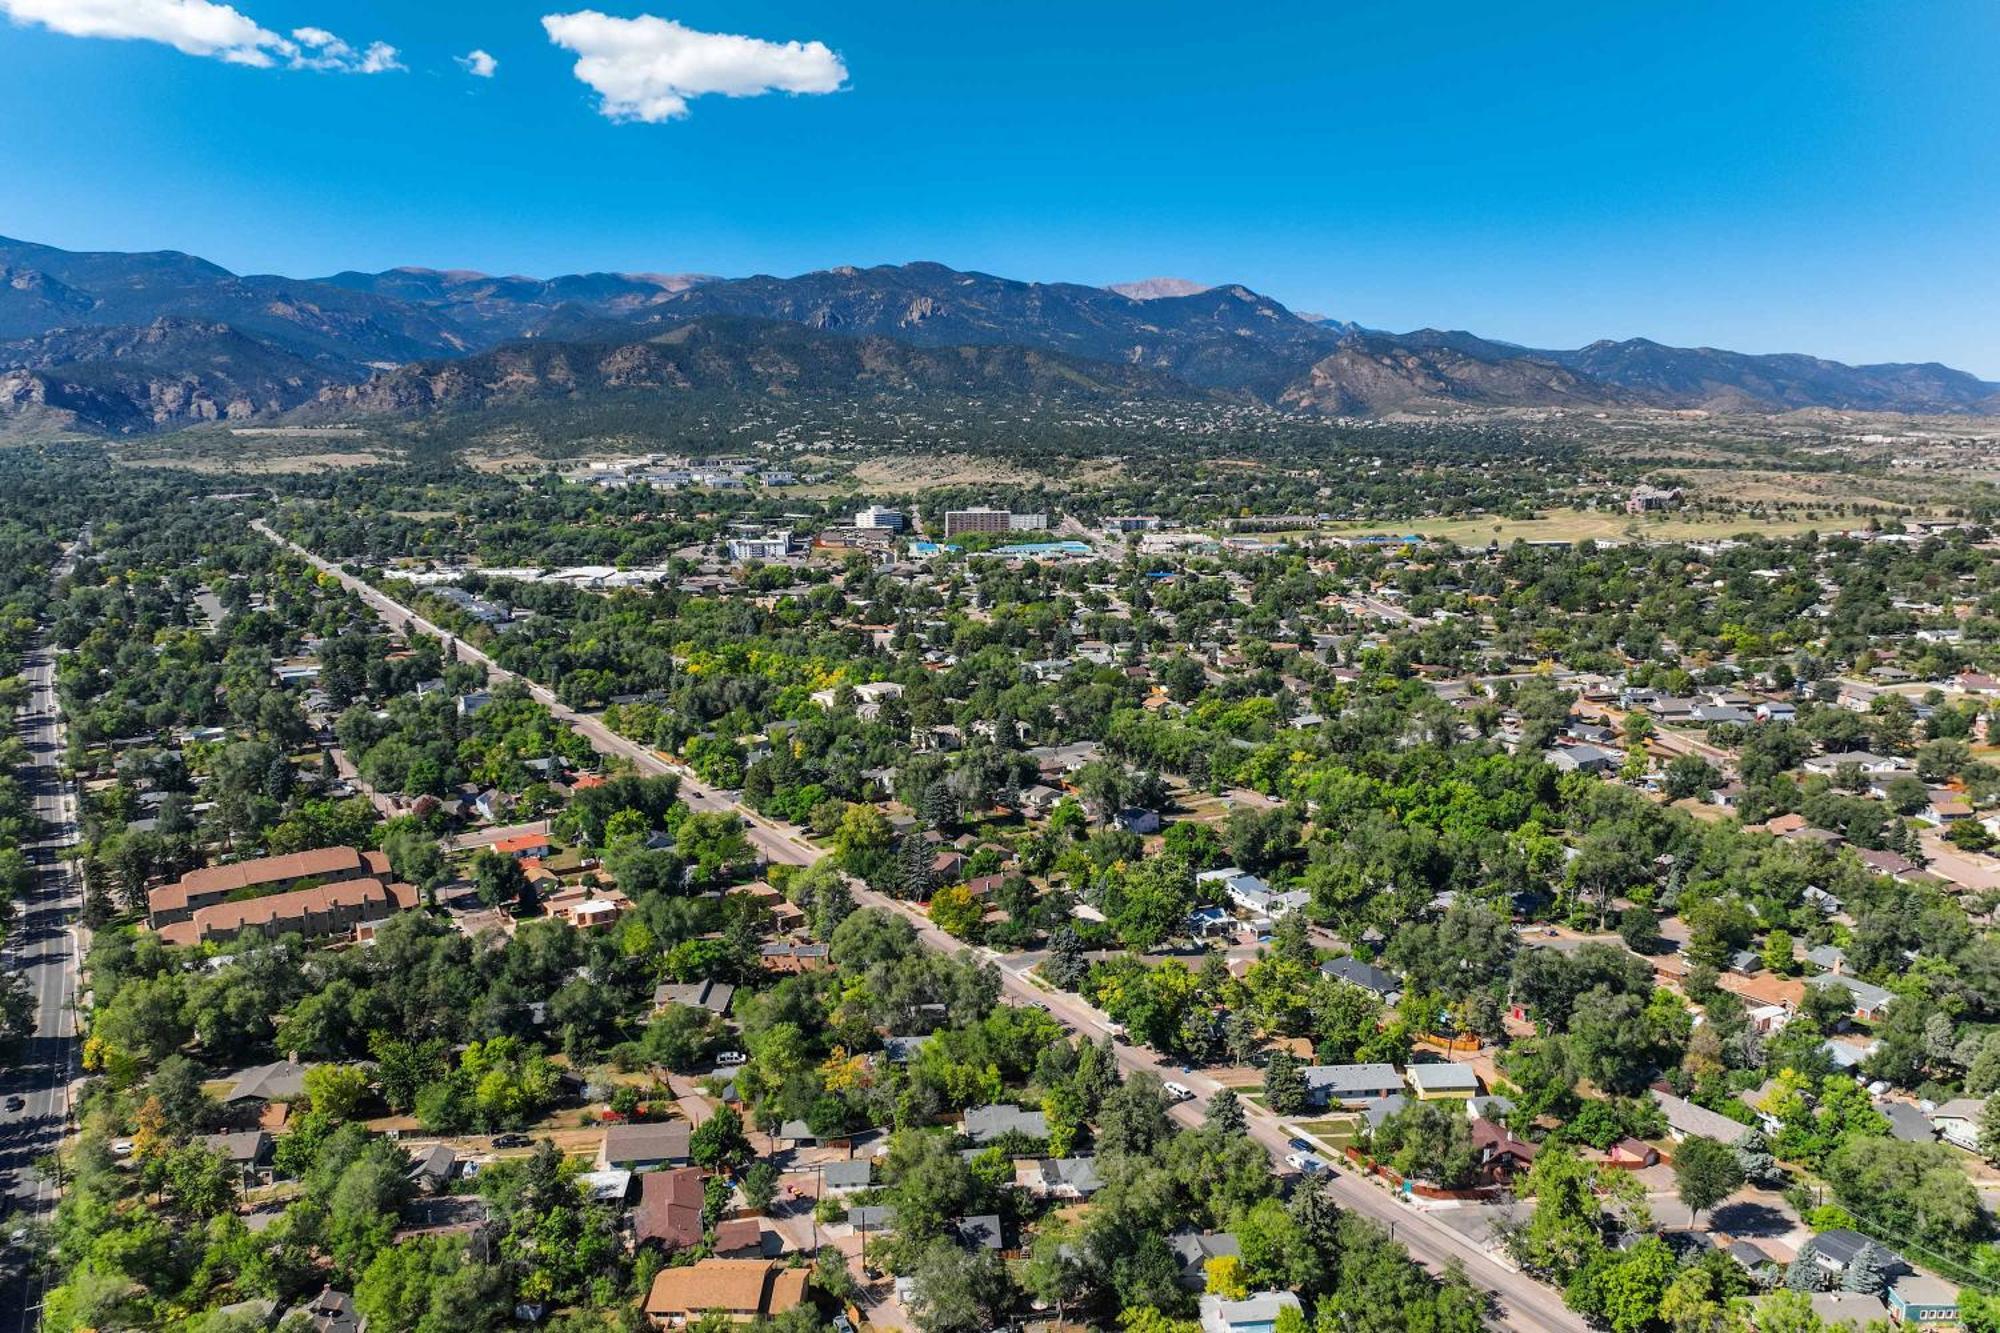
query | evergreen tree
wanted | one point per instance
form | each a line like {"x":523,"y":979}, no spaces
{"x":1065,"y":966}
{"x":1225,"y":1112}
{"x":1284,"y":1085}
{"x":913,"y":862}
{"x":1805,"y":1274}
{"x":1867,"y":1273}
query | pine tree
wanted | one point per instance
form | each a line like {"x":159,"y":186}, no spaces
{"x":1284,"y":1085}
{"x":1066,"y":966}
{"x":1805,"y":1274}
{"x":1866,"y":1273}
{"x":913,"y":859}
{"x":1225,"y":1112}
{"x":938,"y":806}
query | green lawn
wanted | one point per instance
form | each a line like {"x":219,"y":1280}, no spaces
{"x":1335,"y":1131}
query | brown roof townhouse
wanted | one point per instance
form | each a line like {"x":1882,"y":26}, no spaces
{"x":329,"y":909}
{"x":212,"y":885}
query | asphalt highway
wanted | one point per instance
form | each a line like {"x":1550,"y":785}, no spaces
{"x":42,"y":946}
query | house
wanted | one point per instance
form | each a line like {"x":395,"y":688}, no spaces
{"x":1846,"y":1309}
{"x":431,"y":1170}
{"x":1633,"y":1153}
{"x":1583,"y":759}
{"x":1869,"y":1000}
{"x":1365,"y":975}
{"x":1836,"y":1249}
{"x":980,"y":1233}
{"x":1945,"y":810}
{"x":1351,"y":1085}
{"x":1038,"y":801}
{"x":787,"y":956}
{"x":1134,"y":819}
{"x":742,"y":1238}
{"x":871,"y":1217}
{"x":606,"y":1186}
{"x":845,"y":1177}
{"x":1907,"y":1122}
{"x":1919,"y":1298}
{"x":902,"y":1050}
{"x":1256,"y":1313}
{"x":984,"y":1124}
{"x":582,"y":906}
{"x":1754,"y":1260}
{"x":1686,"y":1120}
{"x":743,"y":1290}
{"x":1374,"y":1113}
{"x":281,"y":1081}
{"x":1957,"y":1122}
{"x":644,"y":1147}
{"x":523,"y":845}
{"x":246,"y":1150}
{"x":713,"y":996}
{"x":1827,"y":958}
{"x":1210,"y":920}
{"x":670,"y":1204}
{"x":468,"y":704}
{"x":1443,"y":1081}
{"x":1827,"y":765}
{"x":1057,"y":1177}
{"x":1193,"y":1250}
{"x":330,"y":1312}
{"x":1501,"y":1155}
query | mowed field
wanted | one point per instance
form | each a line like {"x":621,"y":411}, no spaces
{"x":1575,"y":525}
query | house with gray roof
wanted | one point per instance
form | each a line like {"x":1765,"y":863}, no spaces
{"x":1351,"y":1085}
{"x":1686,"y":1120}
{"x":1256,"y":1313}
{"x":1369,"y":977}
{"x":984,"y":1124}
{"x":1057,"y":1177}
{"x":280,"y":1081}
{"x":1193,"y":1250}
{"x":1868,"y":1000}
{"x":842,"y":1177}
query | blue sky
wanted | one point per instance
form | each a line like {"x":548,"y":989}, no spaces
{"x":1769,"y":176}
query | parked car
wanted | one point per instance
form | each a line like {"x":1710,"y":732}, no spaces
{"x":732,"y":1058}
{"x":1298,"y":1145}
{"x":1180,"y":1092}
{"x":512,"y":1141}
{"x":1306,"y":1163}
{"x":121,"y":1147}
{"x":17,"y":1102}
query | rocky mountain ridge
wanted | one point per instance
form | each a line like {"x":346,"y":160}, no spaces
{"x":120,"y":343}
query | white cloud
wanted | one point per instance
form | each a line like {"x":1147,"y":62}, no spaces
{"x":202,"y":28}
{"x":478,"y":64}
{"x":647,"y":68}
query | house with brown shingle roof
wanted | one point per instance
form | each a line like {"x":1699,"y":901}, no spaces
{"x":741,"y":1290}
{"x":669,"y":1210}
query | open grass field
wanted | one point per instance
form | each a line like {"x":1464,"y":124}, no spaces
{"x":1574,"y":525}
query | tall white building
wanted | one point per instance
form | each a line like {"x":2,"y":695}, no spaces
{"x":875,"y":516}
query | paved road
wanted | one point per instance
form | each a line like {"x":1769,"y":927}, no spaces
{"x":1521,"y":1302}
{"x":43,"y":947}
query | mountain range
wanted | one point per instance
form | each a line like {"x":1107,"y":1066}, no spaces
{"x":123,"y":343}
